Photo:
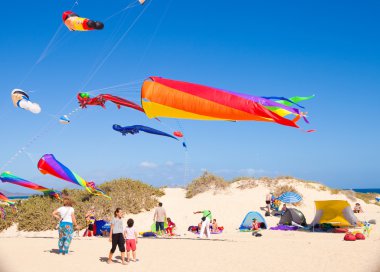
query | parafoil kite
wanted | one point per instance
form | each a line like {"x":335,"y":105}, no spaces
{"x":64,"y":119}
{"x":142,"y":2}
{"x":76,"y":23}
{"x":5,"y":199}
{"x":21,"y":100}
{"x":8,"y":177}
{"x":176,"y":99}
{"x":178,"y":134}
{"x":85,"y":100}
{"x":48,"y":164}
{"x":137,"y":128}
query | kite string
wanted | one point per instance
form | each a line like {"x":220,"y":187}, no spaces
{"x":115,"y":46}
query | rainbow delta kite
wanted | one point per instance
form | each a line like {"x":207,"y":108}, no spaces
{"x":8,"y":177}
{"x":49,"y":165}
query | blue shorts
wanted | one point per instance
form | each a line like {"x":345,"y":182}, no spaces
{"x":160,"y":226}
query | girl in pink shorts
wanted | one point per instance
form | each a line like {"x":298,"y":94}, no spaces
{"x":130,"y":236}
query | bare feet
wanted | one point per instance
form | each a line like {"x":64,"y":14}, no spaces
{"x":109,"y":261}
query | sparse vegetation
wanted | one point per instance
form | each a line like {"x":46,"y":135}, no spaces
{"x":35,"y":214}
{"x":206,"y":182}
{"x":248,"y":184}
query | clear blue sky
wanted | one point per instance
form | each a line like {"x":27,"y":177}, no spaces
{"x":279,"y":48}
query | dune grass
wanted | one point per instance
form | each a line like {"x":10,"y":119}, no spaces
{"x":35,"y":214}
{"x":204,"y":183}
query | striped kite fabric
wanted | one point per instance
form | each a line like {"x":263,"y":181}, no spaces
{"x":290,"y":197}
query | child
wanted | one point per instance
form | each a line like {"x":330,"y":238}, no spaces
{"x":171,"y":227}
{"x":255,"y":227}
{"x":116,"y":236}
{"x":130,"y":235}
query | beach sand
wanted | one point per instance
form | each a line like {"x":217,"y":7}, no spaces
{"x":229,"y":251}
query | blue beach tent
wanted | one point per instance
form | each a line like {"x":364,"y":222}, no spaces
{"x":247,"y":222}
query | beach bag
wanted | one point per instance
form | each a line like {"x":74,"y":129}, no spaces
{"x":359,"y":236}
{"x":149,"y":234}
{"x":349,"y":237}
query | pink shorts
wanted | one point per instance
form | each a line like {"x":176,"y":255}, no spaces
{"x":131,"y":245}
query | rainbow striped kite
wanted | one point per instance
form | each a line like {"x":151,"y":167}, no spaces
{"x":162,"y":97}
{"x":48,"y":164}
{"x":8,"y":177}
{"x":5,"y":199}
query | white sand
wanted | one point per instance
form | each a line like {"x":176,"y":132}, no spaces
{"x":230,"y":251}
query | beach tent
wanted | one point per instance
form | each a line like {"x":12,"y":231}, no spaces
{"x":153,"y":226}
{"x":334,"y":212}
{"x":292,"y":215}
{"x":247,"y":221}
{"x":99,"y":227}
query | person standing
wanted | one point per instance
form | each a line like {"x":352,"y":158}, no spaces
{"x":206,"y":219}
{"x":268,"y":200}
{"x":116,"y":236}
{"x":159,"y":217}
{"x":90,"y":218}
{"x":65,"y":229}
{"x":130,"y":235}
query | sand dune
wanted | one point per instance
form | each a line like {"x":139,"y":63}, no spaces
{"x":230,"y":251}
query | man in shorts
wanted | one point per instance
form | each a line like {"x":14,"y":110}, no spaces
{"x":159,"y":217}
{"x":268,"y":200}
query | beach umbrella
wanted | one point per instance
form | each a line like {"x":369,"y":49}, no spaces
{"x":290,"y":197}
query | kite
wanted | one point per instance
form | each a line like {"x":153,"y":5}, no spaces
{"x":21,"y":100}
{"x":142,"y":2}
{"x":178,"y":134}
{"x":8,"y":177}
{"x":137,"y":128}
{"x":49,"y":165}
{"x":64,"y":119}
{"x":176,"y":99}
{"x":5,"y":199}
{"x":76,"y":23}
{"x":84,"y":100}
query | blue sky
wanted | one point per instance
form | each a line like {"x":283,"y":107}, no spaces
{"x":266,"y":48}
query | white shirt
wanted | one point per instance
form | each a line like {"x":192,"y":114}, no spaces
{"x":66,"y":213}
{"x":130,"y":233}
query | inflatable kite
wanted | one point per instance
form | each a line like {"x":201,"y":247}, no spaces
{"x":178,"y":134}
{"x":21,"y":100}
{"x":76,"y":23}
{"x":64,"y":119}
{"x":176,"y":99}
{"x":5,"y":199}
{"x":8,"y":177}
{"x":49,"y":165}
{"x":85,"y":100}
{"x":137,"y":128}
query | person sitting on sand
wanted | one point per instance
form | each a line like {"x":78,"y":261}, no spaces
{"x":171,"y":227}
{"x":283,"y":210}
{"x":116,"y":236}
{"x":255,"y":227}
{"x":214,"y":226}
{"x":358,"y":208}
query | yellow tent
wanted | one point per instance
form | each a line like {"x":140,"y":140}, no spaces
{"x":335,"y":212}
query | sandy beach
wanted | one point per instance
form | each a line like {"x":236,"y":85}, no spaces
{"x":229,"y":251}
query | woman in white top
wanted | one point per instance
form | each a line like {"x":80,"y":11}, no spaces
{"x":67,"y":218}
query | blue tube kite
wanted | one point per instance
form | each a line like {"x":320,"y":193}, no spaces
{"x":137,"y":128}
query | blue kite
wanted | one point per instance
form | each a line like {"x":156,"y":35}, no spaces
{"x":137,"y":128}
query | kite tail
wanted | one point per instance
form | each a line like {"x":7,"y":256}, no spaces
{"x":282,"y":98}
